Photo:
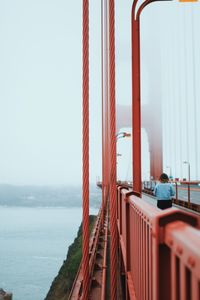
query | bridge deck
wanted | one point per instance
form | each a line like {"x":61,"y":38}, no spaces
{"x":152,"y":201}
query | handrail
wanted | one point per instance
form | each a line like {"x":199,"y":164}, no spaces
{"x":144,"y":234}
{"x":103,"y":290}
{"x":77,"y":285}
{"x":100,"y":225}
{"x":184,"y":244}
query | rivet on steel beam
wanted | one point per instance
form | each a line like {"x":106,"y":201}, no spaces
{"x":179,"y":250}
{"x":191,"y":261}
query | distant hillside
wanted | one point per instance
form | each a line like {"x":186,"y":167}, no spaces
{"x":62,"y":284}
{"x":46,"y":196}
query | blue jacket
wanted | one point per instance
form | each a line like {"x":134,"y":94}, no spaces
{"x":164,"y":191}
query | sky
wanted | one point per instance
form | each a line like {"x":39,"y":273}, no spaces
{"x":41,"y":93}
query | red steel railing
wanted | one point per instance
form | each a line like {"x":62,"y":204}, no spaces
{"x":183,"y":242}
{"x":159,"y":250}
{"x":100,"y":232}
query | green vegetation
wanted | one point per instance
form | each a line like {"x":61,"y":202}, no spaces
{"x":62,"y":284}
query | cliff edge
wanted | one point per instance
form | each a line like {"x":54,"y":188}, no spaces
{"x":62,"y":284}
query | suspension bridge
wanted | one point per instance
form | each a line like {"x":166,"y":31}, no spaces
{"x":137,"y":251}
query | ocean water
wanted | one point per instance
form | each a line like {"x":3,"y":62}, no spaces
{"x":33,"y":245}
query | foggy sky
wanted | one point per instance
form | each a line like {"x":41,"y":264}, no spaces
{"x":170,"y":59}
{"x":40,"y":92}
{"x":40,"y":85}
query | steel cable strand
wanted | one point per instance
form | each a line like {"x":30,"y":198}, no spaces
{"x":107,"y":131}
{"x":113,"y":207}
{"x":102,"y":107}
{"x":85,"y":155}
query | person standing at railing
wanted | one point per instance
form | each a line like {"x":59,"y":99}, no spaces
{"x":164,"y":192}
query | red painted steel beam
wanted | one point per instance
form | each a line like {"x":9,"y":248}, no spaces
{"x":112,"y":138}
{"x":103,"y":291}
{"x":136,"y":103}
{"x":136,"y":97}
{"x":144,"y":233}
{"x":103,"y":104}
{"x":77,"y":288}
{"x":184,"y":243}
{"x":104,"y":83}
{"x":85,"y":159}
{"x":107,"y":116}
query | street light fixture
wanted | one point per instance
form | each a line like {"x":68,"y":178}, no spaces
{"x":123,"y":134}
{"x":119,"y":154}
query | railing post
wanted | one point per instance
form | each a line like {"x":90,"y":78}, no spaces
{"x":127,"y":209}
{"x":127,"y":242}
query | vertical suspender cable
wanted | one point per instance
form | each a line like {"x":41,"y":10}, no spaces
{"x":179,"y":37}
{"x":85,"y":174}
{"x":107,"y":135}
{"x":113,"y":194}
{"x":186,"y":87}
{"x":103,"y":108}
{"x":194,"y":93}
{"x":105,"y":156}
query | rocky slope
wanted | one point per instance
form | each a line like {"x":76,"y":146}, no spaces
{"x":62,"y":283}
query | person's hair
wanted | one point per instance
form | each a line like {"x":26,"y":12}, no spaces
{"x":164,"y":177}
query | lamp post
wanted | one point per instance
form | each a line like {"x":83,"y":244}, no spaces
{"x":170,"y":171}
{"x":187,"y":163}
{"x":118,"y":155}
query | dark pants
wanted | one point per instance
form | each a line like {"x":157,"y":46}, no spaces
{"x":163,"y":204}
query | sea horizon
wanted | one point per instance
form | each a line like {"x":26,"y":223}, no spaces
{"x":46,"y":196}
{"x":34,"y":241}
